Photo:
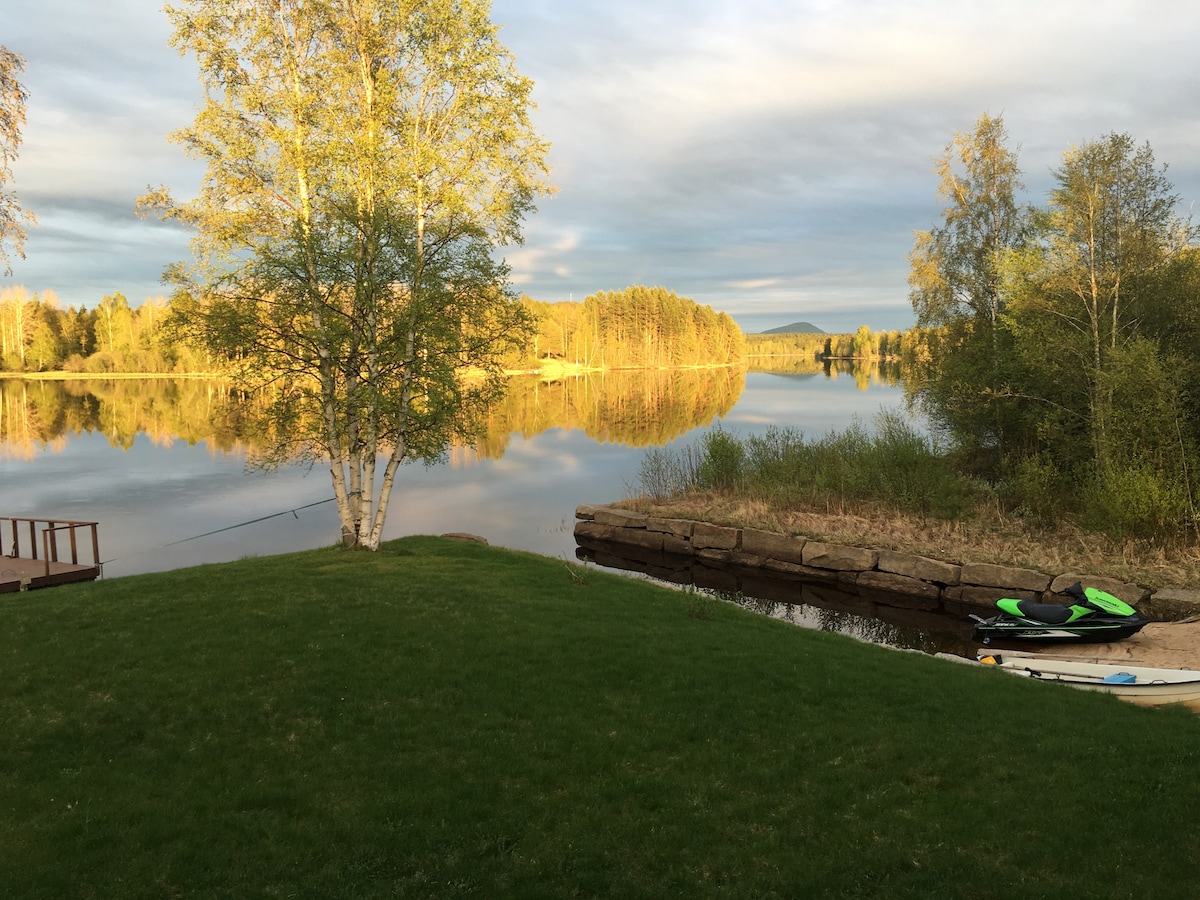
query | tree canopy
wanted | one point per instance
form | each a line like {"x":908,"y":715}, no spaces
{"x":1063,"y":368}
{"x":956,"y":282}
{"x":365,"y":159}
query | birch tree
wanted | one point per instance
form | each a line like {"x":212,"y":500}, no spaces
{"x":12,"y":119}
{"x":956,"y":282}
{"x":365,"y":161}
{"x":955,"y":268}
{"x":1110,"y":228}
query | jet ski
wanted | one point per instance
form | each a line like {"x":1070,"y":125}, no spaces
{"x":1094,"y":616}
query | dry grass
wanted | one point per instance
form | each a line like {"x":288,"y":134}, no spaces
{"x":987,"y":537}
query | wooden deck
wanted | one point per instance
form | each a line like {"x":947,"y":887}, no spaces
{"x":42,"y":553}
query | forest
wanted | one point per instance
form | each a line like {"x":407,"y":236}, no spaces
{"x":37,"y":334}
{"x":862,"y":344}
{"x":636,"y":328}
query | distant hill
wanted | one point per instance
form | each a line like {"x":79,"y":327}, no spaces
{"x":795,"y":328}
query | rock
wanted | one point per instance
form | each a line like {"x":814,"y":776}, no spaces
{"x":1006,"y":577}
{"x":919,"y":567}
{"x":773,"y":545}
{"x":625,"y":518}
{"x":674,"y":543}
{"x":987,"y":596}
{"x":799,"y":571}
{"x":746,"y":560}
{"x":714,"y":537}
{"x":463,"y":536}
{"x":839,"y":557}
{"x":714,"y":556}
{"x":902,"y":584}
{"x":1172,"y":604}
{"x":680,"y":527}
{"x":924,"y":579}
{"x":634,"y":537}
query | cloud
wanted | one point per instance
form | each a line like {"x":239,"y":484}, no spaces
{"x":754,"y":285}
{"x":756,"y":156}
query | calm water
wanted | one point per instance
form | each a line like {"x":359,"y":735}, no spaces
{"x":149,"y":466}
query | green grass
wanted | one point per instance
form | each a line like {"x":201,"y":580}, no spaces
{"x":449,"y":720}
{"x":895,"y":465}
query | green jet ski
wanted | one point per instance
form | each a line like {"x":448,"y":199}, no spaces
{"x":1094,"y":616}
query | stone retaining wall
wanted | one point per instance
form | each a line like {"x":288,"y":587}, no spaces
{"x":973,"y":584}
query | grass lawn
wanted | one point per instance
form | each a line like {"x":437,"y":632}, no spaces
{"x":443,"y":719}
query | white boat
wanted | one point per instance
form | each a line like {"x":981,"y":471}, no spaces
{"x":1138,"y":684}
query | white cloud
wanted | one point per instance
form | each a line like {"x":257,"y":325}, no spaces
{"x":757,"y":156}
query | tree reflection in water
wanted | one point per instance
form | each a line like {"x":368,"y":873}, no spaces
{"x":630,"y":408}
{"x":862,"y":627}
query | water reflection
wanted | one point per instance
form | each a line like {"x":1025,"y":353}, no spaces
{"x":41,"y":416}
{"x":629,"y":408}
{"x":158,"y":461}
{"x":872,"y":624}
{"x":829,"y":604}
{"x":864,"y":373}
{"x":633,"y":409}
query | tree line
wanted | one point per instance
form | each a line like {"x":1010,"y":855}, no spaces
{"x":635,"y":328}
{"x":38,"y":335}
{"x":1055,"y":347}
{"x":861,"y":344}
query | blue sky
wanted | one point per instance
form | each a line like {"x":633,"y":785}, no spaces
{"x":770,"y":158}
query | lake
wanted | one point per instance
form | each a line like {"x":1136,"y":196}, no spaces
{"x":165,"y":475}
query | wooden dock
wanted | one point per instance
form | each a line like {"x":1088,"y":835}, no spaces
{"x":43,"y":552}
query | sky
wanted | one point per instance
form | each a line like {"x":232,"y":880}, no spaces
{"x":768,"y":158}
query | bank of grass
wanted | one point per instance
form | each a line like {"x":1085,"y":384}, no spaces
{"x":450,"y":720}
{"x":887,"y":488}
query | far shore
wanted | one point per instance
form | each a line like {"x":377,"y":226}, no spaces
{"x":108,"y":376}
{"x":550,"y":368}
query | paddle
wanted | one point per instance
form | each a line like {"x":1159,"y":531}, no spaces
{"x":1114,"y":678}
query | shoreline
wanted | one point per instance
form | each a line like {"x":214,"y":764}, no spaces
{"x":1172,"y":641}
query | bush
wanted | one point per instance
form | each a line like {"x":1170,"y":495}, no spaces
{"x":1137,"y":503}
{"x":100,"y":363}
{"x":1035,"y":489}
{"x":664,"y":473}
{"x":721,"y":459}
{"x":906,"y":469}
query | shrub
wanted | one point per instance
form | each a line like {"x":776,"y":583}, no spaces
{"x":1137,"y":503}
{"x":721,"y":459}
{"x":1034,"y":488}
{"x":665,"y":473}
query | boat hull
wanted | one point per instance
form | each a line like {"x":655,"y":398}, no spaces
{"x":1001,"y":628}
{"x":1143,"y":685}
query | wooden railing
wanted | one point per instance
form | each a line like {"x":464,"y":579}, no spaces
{"x":49,"y":542}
